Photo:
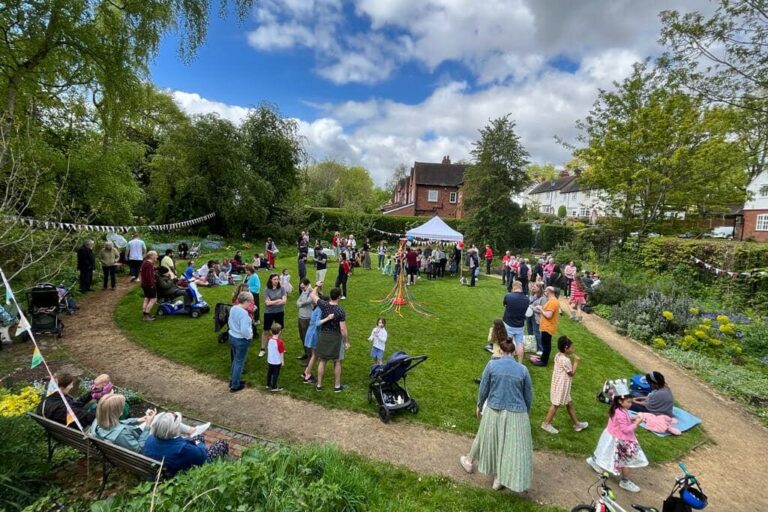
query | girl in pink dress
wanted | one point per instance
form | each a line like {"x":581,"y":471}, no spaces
{"x":560,"y":390}
{"x":578,"y":298}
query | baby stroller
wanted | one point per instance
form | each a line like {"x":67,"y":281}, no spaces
{"x":194,"y":252}
{"x":221,"y":321}
{"x":384,"y":386}
{"x":46,"y":303}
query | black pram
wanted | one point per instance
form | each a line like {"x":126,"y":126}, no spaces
{"x":384,"y":386}
{"x":46,"y":303}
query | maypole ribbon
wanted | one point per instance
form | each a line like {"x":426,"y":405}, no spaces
{"x":67,"y":226}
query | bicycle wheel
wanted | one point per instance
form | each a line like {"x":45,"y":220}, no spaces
{"x":583,"y":508}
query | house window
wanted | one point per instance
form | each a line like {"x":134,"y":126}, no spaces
{"x":432,"y":196}
{"x":764,"y":191}
{"x":762,"y":222}
{"x":453,"y":197}
{"x":587,"y":194}
{"x":583,"y":212}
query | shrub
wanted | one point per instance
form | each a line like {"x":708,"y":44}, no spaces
{"x":613,"y":290}
{"x":652,"y":315}
{"x":755,"y":339}
{"x":562,"y":211}
{"x":602,"y":310}
{"x":554,"y":235}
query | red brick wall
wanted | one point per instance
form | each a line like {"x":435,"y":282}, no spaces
{"x":443,"y":207}
{"x":750,"y":221}
{"x":409,"y":211}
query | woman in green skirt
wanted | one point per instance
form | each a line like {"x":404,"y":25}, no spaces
{"x":503,"y":446}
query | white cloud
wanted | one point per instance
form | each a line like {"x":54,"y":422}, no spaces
{"x":192,"y":103}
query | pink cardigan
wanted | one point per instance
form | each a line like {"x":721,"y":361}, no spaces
{"x":621,"y":426}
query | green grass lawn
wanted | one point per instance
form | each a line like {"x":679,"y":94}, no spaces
{"x":453,"y":341}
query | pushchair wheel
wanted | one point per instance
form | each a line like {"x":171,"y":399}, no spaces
{"x":195,"y":313}
{"x":384,"y":414}
{"x":160,"y":312}
{"x":414,"y":408}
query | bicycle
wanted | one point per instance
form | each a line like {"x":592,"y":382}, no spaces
{"x":687,"y":486}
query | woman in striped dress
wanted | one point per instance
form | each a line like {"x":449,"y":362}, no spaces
{"x":502,"y":446}
{"x":578,"y":298}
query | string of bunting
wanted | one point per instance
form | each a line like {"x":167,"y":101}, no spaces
{"x":67,"y":226}
{"x":722,"y":272}
{"x":417,"y":240}
{"x":37,"y":355}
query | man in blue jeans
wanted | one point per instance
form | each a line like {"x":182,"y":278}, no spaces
{"x":240,"y":338}
{"x":516,"y":307}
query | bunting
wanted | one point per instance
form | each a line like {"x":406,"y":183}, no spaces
{"x":66,"y":226}
{"x":722,"y":272}
{"x":37,"y":355}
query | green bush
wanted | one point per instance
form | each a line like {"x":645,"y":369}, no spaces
{"x":755,"y":339}
{"x":643,"y":318}
{"x":613,"y":290}
{"x":554,"y":235}
{"x":602,"y":310}
{"x":562,"y":211}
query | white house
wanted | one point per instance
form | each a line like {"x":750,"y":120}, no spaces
{"x":755,"y":224}
{"x":579,"y":201}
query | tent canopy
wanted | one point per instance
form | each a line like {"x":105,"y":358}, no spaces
{"x":437,"y":230}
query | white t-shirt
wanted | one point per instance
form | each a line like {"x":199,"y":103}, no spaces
{"x":136,"y":248}
{"x":203,"y":271}
{"x":379,"y":338}
{"x":275,"y":347}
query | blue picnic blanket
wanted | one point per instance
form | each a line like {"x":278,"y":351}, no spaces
{"x":685,"y":421}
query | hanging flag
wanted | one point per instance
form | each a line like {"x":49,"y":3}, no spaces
{"x":70,"y":417}
{"x":52,"y":387}
{"x":23,"y":325}
{"x":8,"y":295}
{"x":37,"y":358}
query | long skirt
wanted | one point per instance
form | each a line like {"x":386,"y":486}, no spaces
{"x":503,"y":447}
{"x":612,"y":454}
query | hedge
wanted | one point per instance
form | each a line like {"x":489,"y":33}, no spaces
{"x":552,"y":236}
{"x":667,"y":253}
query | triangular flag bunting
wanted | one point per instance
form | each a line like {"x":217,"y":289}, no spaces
{"x":52,"y":387}
{"x":37,"y":358}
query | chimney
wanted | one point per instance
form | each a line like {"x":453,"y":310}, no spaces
{"x":446,"y":160}
{"x":564,"y":173}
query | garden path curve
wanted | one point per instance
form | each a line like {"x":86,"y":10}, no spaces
{"x":731,"y":468}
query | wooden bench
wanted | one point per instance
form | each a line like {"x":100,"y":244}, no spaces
{"x":110,"y":455}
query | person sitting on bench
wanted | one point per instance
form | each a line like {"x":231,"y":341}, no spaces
{"x":53,"y":408}
{"x":130,"y":433}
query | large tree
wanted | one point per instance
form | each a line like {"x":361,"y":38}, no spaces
{"x":497,"y":173}
{"x":652,"y":149}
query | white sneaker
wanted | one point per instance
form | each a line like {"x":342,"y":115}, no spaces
{"x":466,"y":463}
{"x":629,"y":485}
{"x":539,"y":353}
{"x":496,"y":485}
{"x":261,"y":353}
{"x":343,"y":297}
{"x":549,"y":428}
{"x":594,"y":465}
{"x":580,"y":426}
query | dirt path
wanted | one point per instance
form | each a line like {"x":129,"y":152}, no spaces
{"x":730,"y":469}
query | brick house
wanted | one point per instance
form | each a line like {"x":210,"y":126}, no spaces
{"x":431,"y":189}
{"x":754,"y":224}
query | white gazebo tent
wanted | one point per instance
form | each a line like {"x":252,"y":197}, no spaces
{"x":435,"y":230}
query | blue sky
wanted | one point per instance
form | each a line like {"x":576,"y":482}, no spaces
{"x":383,"y":82}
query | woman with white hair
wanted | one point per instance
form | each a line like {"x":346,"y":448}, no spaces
{"x":109,"y":256}
{"x":178,"y":453}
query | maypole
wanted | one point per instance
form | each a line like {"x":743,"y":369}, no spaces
{"x":400,"y":294}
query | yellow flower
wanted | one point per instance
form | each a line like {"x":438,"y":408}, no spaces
{"x":722,"y":319}
{"x":16,"y":405}
{"x":668,"y":315}
{"x":706,"y":321}
{"x":700,"y":334}
{"x":693,"y":311}
{"x":726,"y":329}
{"x":659,"y":343}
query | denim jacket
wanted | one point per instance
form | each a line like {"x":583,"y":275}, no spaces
{"x":506,"y":384}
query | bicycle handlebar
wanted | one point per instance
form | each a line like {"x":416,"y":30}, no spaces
{"x":687,"y":474}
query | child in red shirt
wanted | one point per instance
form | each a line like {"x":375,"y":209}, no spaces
{"x":275,"y":357}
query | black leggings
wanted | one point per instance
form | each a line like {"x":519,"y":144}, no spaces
{"x":341,"y":281}
{"x":546,"y":347}
{"x":273,"y":372}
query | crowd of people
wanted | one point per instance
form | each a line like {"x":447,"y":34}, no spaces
{"x":503,"y":444}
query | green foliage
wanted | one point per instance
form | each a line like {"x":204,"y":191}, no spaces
{"x":667,"y":253}
{"x":25,"y":467}
{"x":310,"y":478}
{"x":644,"y":318}
{"x":554,"y":235}
{"x":654,"y":149}
{"x":602,"y":310}
{"x":595,"y":244}
{"x":562,"y":211}
{"x":541,"y":173}
{"x":755,"y":339}
{"x":497,"y":173}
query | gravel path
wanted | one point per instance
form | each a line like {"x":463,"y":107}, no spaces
{"x":729,"y":469}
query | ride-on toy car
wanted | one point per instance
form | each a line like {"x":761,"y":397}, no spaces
{"x":196,"y":307}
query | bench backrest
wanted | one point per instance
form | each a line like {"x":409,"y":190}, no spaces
{"x":128,"y":460}
{"x":65,"y":435}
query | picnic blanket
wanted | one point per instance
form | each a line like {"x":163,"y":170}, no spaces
{"x":685,"y":421}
